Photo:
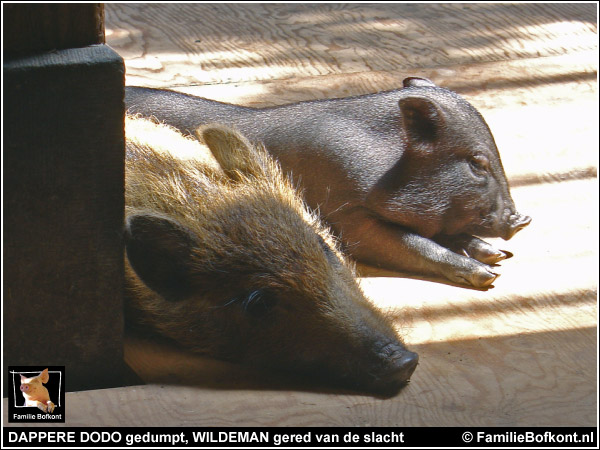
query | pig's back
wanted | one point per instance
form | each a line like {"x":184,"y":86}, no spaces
{"x":163,"y":169}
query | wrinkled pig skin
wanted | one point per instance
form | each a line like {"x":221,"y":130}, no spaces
{"x":408,"y":179}
{"x":223,"y":257}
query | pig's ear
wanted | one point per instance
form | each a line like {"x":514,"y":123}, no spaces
{"x":417,"y":82}
{"x":236,"y":155}
{"x":23,"y":378}
{"x":421,"y":117}
{"x":44,"y":376}
{"x":160,"y":252}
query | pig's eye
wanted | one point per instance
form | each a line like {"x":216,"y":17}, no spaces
{"x":479,"y":164}
{"x":258,"y":302}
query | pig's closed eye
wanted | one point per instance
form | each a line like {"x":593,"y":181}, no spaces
{"x":479,"y":164}
{"x":258,"y":302}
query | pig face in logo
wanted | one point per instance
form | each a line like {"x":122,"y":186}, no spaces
{"x":35,"y":392}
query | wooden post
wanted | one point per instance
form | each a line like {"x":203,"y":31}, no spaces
{"x":34,"y":28}
{"x":63,"y":182}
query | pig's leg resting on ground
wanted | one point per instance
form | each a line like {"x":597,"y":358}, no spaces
{"x":392,"y":247}
{"x":457,"y":268}
{"x":473,"y":247}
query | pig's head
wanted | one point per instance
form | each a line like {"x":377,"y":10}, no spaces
{"x":32,"y":387}
{"x":450,"y":178}
{"x":252,"y":276}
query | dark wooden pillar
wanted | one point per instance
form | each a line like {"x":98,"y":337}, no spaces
{"x":39,"y":27}
{"x":63,"y":180}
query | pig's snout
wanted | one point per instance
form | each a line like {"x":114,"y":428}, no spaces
{"x":516,"y":222}
{"x":400,"y":365}
{"x":402,"y":368}
{"x":24,"y":388}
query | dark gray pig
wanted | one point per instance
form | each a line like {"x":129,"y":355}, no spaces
{"x":407,"y":178}
{"x":223,"y":257}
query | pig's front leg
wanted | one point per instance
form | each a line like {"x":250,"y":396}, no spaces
{"x":37,"y":404}
{"x":389,"y":246}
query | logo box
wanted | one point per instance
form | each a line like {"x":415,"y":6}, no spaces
{"x":18,"y":412}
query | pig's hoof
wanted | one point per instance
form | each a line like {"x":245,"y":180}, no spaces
{"x":480,"y":277}
{"x":474,"y":248}
{"x":483,"y":252}
{"x":484,"y":278}
{"x":492,"y":257}
{"x":50,"y":406}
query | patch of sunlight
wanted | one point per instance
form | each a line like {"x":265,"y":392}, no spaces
{"x":564,"y":35}
{"x":123,"y":41}
{"x":228,"y":68}
{"x":147,"y":62}
{"x":229,"y":93}
{"x":528,"y":141}
{"x":496,"y":324}
{"x":428,"y":312}
{"x":536,"y":40}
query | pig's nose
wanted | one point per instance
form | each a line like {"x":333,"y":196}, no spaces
{"x":404,"y":367}
{"x":398,"y":373}
{"x":517,"y":223}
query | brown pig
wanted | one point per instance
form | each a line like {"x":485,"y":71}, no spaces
{"x":35,"y":392}
{"x":223,"y":257}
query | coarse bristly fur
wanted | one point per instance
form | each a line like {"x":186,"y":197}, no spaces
{"x":223,"y":256}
